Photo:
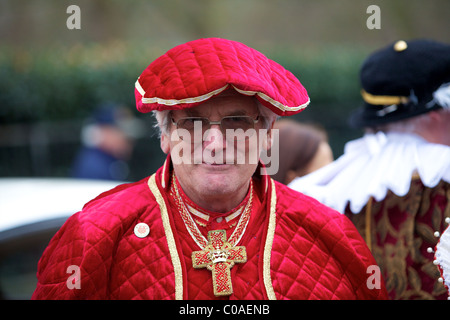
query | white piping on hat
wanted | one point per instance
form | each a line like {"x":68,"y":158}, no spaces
{"x":273,"y":102}
{"x":172,"y":102}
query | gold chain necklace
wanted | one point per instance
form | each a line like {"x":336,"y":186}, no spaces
{"x":192,"y":227}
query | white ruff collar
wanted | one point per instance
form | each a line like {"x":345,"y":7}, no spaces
{"x":374,"y":164}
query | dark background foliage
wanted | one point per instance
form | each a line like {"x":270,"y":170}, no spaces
{"x":51,"y":78}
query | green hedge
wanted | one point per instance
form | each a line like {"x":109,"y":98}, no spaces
{"x":59,"y":84}
{"x":66,"y":83}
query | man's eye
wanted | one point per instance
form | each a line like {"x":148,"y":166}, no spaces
{"x":238,"y":122}
{"x":189,"y":123}
{"x":236,"y":119}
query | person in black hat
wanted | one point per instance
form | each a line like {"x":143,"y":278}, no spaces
{"x":393,"y":183}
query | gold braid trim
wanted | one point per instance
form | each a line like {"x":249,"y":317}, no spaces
{"x":273,"y":102}
{"x":173,"y":102}
{"x":170,"y":239}
{"x":368,"y":221}
{"x":268,"y":244}
{"x":383,"y":100}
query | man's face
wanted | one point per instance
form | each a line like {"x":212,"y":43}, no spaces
{"x":214,"y":166}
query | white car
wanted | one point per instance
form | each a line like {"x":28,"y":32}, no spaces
{"x":31,"y":211}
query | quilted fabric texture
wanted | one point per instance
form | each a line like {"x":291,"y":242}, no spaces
{"x":316,"y":254}
{"x":101,"y":242}
{"x":195,"y":71}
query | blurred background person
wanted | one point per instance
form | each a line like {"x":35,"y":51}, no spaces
{"x":303,"y":148}
{"x":393,"y":183}
{"x":107,"y":144}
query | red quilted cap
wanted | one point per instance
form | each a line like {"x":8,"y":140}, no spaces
{"x":192,"y":73}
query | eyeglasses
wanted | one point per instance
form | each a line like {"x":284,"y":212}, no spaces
{"x":238,"y":124}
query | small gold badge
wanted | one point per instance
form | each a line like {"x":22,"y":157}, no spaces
{"x":400,"y":46}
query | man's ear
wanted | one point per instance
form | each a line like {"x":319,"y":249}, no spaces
{"x":165,"y":143}
{"x":435,"y":116}
{"x":268,"y":140}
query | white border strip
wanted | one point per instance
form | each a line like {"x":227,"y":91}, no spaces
{"x":178,"y":271}
{"x":268,"y":245}
{"x":273,"y":102}
{"x":173,"y":102}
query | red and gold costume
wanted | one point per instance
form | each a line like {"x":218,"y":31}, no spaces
{"x":295,"y":248}
{"x":147,"y":240}
{"x":402,"y":233}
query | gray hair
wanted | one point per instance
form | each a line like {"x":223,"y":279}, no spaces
{"x":409,"y":125}
{"x":162,"y":121}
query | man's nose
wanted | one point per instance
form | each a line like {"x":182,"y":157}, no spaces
{"x":213,"y":138}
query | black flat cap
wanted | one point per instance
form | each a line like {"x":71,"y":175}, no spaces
{"x":400,"y":81}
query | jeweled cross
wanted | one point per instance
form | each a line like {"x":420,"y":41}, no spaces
{"x":219,"y":256}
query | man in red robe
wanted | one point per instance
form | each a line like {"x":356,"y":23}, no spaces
{"x":210,"y":223}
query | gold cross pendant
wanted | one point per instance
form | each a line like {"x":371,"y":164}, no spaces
{"x":219,"y":256}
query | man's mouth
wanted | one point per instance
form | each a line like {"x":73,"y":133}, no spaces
{"x":215,"y":164}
